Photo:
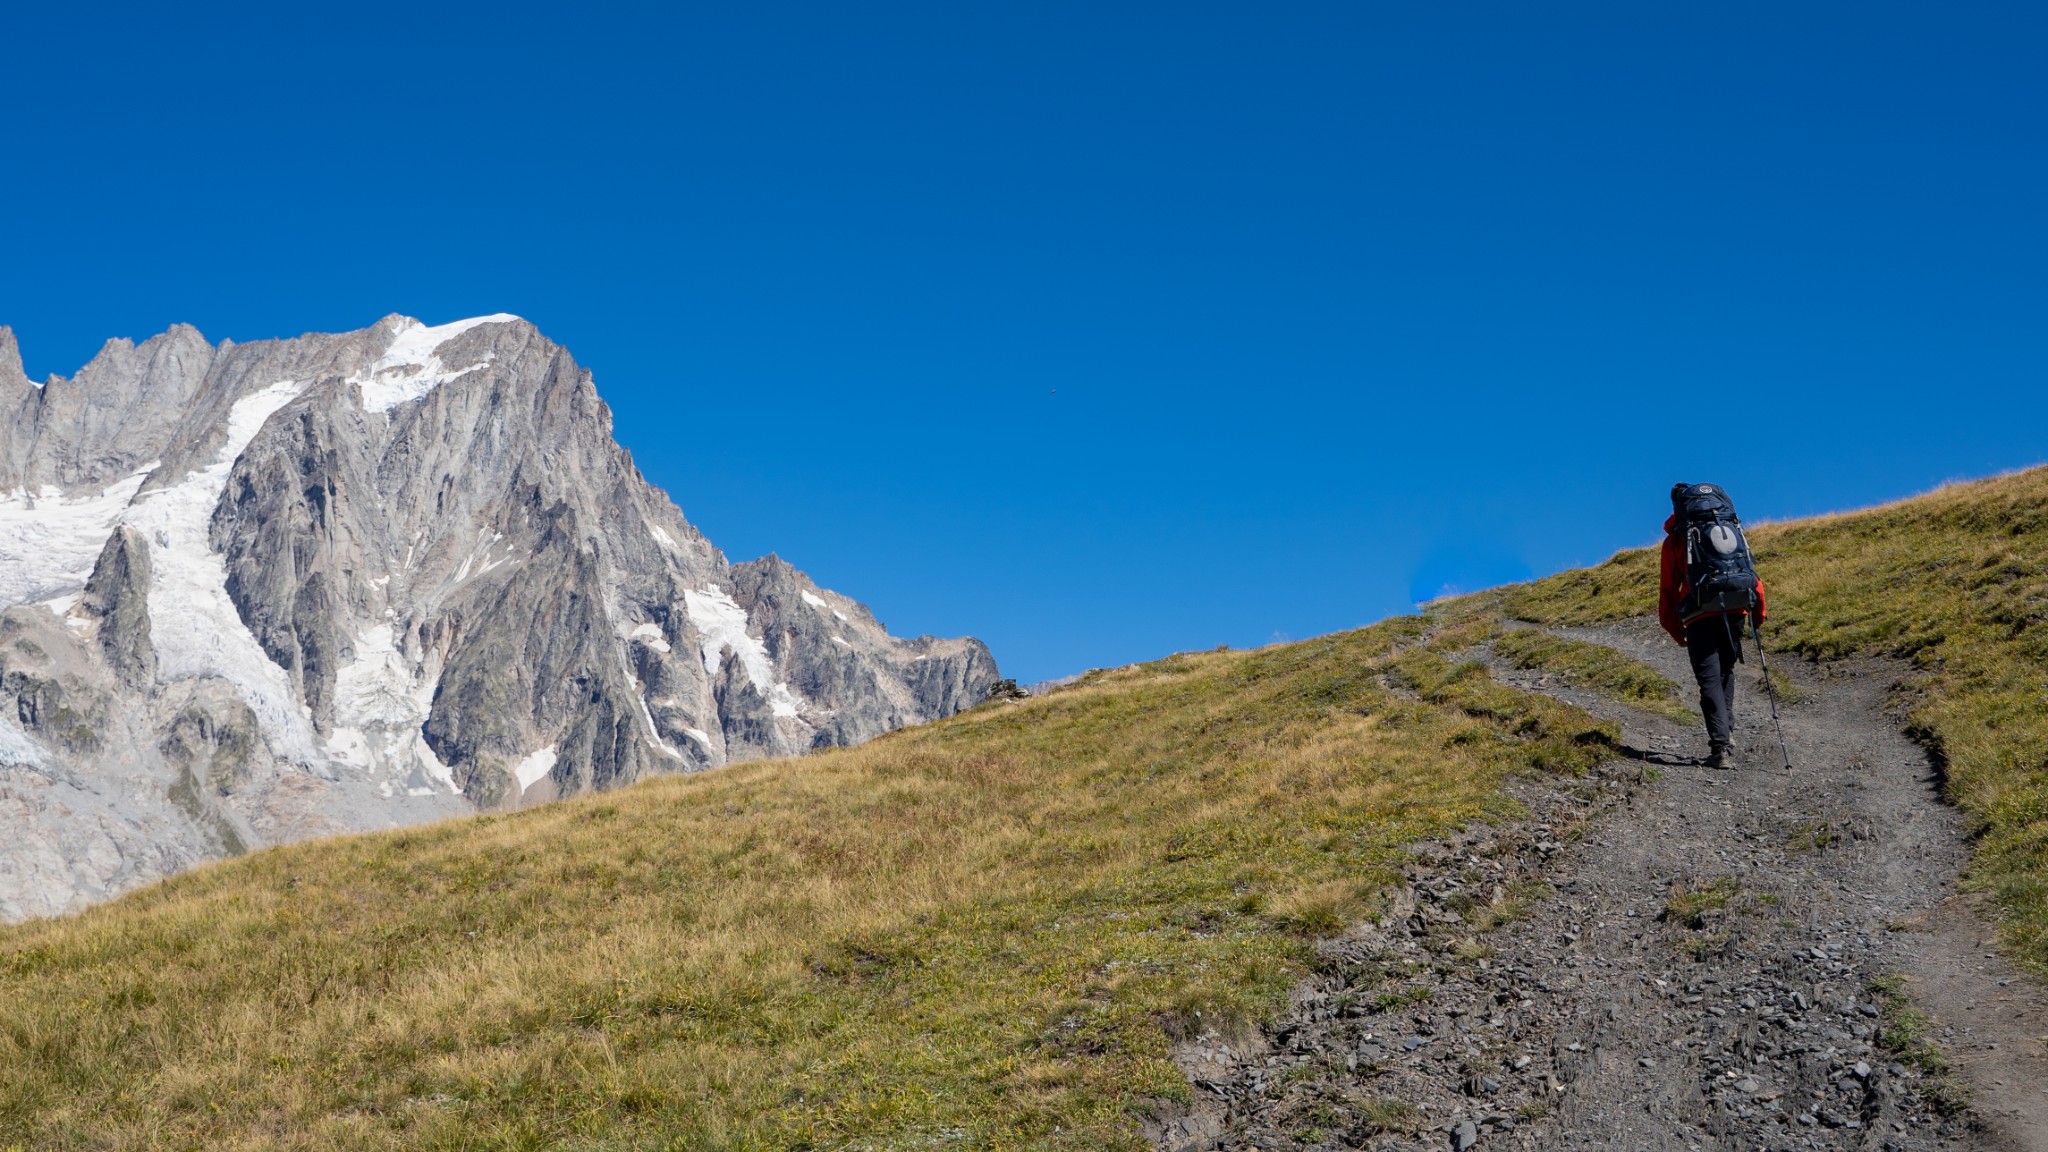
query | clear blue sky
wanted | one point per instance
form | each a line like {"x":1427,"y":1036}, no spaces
{"x":1342,"y":303}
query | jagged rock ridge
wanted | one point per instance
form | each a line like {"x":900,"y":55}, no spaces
{"x":262,"y":591}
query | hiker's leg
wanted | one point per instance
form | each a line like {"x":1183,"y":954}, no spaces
{"x":1731,"y":655}
{"x":1703,"y":643}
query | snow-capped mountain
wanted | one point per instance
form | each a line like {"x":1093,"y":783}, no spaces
{"x":258,"y":592}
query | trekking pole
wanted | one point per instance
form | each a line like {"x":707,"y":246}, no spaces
{"x":1770,"y":691}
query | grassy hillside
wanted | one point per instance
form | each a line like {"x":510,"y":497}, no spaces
{"x":984,"y":933}
{"x":1956,"y":584}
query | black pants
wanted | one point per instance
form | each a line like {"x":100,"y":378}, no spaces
{"x":1715,"y":645}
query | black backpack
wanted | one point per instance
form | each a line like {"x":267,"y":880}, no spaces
{"x":1718,"y":568}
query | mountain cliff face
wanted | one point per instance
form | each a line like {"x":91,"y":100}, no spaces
{"x":258,"y":592}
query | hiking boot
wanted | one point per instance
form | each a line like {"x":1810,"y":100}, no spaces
{"x":1720,"y":756}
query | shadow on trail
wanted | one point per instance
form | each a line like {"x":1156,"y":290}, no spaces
{"x":1661,"y":759}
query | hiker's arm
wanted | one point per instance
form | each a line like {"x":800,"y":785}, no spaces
{"x":1669,"y":571}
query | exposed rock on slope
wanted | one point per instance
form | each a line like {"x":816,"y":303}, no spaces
{"x":256,"y":592}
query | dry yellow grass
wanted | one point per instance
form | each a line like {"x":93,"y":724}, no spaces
{"x":984,"y":933}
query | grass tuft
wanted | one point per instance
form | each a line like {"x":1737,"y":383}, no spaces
{"x":1385,"y":1114}
{"x":1687,"y":905}
{"x":1812,"y":836}
{"x":1907,"y":1033}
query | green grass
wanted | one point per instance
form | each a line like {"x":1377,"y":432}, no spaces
{"x":984,"y":933}
{"x":1687,"y":909}
{"x":1388,"y":1115}
{"x":1398,"y":998}
{"x":1906,"y":1032}
{"x":1687,"y":905}
{"x":1953,"y":584}
{"x":1812,"y":836}
{"x":1597,"y":667}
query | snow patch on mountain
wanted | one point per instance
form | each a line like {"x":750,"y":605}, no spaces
{"x":381,"y":698}
{"x":17,"y":749}
{"x":48,"y":543}
{"x":409,"y":368}
{"x":647,"y":714}
{"x":650,"y":635}
{"x":530,"y":770}
{"x":723,"y":625}
{"x":194,"y":625}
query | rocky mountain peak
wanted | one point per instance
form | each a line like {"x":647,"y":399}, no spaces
{"x":12,"y":375}
{"x":402,"y":573}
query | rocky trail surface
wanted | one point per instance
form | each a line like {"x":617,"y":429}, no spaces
{"x":1666,"y":956}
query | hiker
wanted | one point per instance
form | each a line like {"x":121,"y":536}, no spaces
{"x":1707,"y":587}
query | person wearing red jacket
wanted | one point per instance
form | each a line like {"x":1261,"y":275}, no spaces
{"x":1713,"y":640}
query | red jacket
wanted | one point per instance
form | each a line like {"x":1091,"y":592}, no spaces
{"x":1671,"y":585}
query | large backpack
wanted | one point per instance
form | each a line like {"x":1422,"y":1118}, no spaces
{"x":1718,"y":569}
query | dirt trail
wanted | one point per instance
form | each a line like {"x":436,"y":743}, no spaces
{"x":1606,"y":1015}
